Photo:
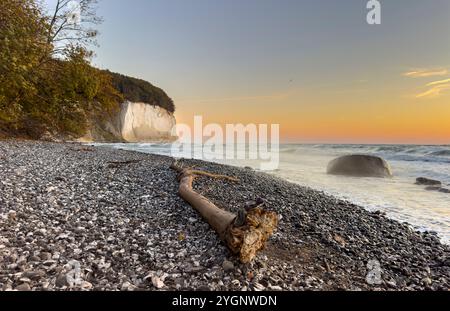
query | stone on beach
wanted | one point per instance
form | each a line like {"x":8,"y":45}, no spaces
{"x":227,"y":266}
{"x":157,"y":282}
{"x":359,"y":166}
{"x":433,"y":188}
{"x":23,"y":287}
{"x":437,"y":188}
{"x":428,"y":182}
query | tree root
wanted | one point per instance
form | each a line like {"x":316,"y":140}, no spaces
{"x":244,"y":234}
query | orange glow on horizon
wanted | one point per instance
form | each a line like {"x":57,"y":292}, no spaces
{"x":405,"y":120}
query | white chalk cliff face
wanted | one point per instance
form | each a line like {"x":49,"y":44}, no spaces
{"x":135,"y":122}
{"x":140,"y":122}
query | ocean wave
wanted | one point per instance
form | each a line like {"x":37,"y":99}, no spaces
{"x":398,"y":152}
{"x":409,"y":158}
{"x":408,"y":149}
{"x":409,"y":153}
{"x":289,"y":150}
{"x":445,"y":153}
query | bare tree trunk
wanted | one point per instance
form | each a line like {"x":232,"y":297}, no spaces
{"x":244,"y":237}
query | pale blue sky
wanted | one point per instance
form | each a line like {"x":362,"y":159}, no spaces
{"x":207,"y":54}
{"x":242,"y":46}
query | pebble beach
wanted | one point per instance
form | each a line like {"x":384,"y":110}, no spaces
{"x":76,"y":217}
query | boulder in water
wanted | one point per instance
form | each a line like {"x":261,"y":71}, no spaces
{"x":427,"y":182}
{"x":437,"y":188}
{"x":433,"y":188}
{"x":359,"y":166}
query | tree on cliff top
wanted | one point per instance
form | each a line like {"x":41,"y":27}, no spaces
{"x":46,"y":82}
{"x":137,"y":90}
{"x":72,"y":24}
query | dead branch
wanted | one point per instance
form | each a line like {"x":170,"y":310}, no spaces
{"x":122,"y":163}
{"x":64,"y":32}
{"x":246,"y":233}
{"x":83,"y":149}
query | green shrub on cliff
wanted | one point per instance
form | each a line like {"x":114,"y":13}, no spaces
{"x":70,"y":93}
{"x":137,"y":90}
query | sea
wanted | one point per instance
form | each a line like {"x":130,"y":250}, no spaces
{"x":399,"y":197}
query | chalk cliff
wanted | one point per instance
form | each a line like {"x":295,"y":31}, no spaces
{"x":134,"y":122}
{"x":143,"y":122}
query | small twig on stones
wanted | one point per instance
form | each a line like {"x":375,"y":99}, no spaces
{"x":122,"y":163}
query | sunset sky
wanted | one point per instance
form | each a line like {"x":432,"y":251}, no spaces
{"x":315,"y":67}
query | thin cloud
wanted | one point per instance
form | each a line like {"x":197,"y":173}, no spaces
{"x":424,"y":73}
{"x":446,"y":81}
{"x":438,"y":88}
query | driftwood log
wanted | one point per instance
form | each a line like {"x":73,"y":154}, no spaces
{"x":246,"y":233}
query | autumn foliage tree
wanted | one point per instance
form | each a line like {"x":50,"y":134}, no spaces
{"x":46,"y":81}
{"x":22,"y":46}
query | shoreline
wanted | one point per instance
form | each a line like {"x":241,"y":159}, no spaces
{"x":127,"y":228}
{"x":400,"y":197}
